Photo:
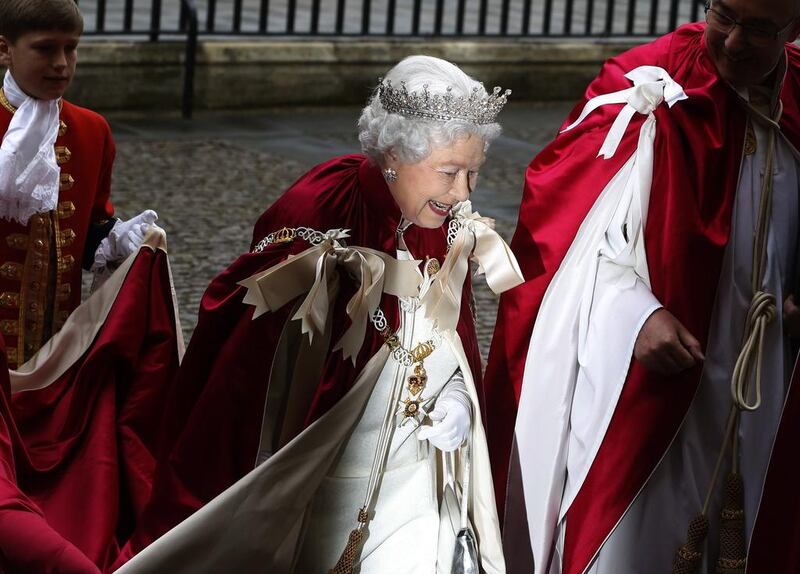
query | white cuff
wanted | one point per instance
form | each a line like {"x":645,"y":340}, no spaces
{"x":102,"y":257}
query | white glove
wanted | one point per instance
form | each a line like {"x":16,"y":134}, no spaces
{"x":124,"y":238}
{"x":127,"y":236}
{"x":452,"y":418}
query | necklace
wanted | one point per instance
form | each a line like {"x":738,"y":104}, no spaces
{"x":412,"y":404}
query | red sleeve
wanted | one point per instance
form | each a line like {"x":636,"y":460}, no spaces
{"x":102,"y":208}
{"x":27,"y":542}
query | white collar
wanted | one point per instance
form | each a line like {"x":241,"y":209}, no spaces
{"x":16,"y":97}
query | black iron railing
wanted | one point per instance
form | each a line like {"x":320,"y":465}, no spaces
{"x":188,"y":22}
{"x":532,"y":18}
{"x":189,"y":19}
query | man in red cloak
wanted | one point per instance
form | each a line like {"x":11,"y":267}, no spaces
{"x":649,"y":305}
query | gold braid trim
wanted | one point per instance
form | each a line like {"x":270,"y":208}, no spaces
{"x":5,"y":103}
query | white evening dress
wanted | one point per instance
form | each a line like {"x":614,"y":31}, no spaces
{"x":402,"y":535}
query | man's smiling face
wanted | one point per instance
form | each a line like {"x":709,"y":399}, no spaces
{"x":746,"y":38}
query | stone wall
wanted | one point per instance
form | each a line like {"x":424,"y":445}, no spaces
{"x":258,"y":74}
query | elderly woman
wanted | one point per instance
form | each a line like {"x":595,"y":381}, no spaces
{"x":327,"y":405}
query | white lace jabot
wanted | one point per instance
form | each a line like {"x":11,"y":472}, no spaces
{"x":29,"y":173}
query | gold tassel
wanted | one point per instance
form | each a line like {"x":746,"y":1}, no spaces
{"x":347,"y":560}
{"x":732,"y":548}
{"x":688,"y":557}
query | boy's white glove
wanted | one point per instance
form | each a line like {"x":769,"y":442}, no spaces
{"x":452,"y":418}
{"x":124,"y":239}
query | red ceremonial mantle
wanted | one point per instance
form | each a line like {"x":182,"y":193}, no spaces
{"x":775,"y":545}
{"x":27,"y":542}
{"x":698,"y":148}
{"x":82,"y":449}
{"x":214,"y":415}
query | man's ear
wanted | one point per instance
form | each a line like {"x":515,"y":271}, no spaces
{"x":5,"y":51}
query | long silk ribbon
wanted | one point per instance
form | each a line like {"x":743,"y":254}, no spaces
{"x":476,"y":237}
{"x":314,"y":272}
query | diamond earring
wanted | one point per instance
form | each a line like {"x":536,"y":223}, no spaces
{"x":389,"y":175}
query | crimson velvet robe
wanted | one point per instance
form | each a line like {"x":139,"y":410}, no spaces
{"x":698,"y":149}
{"x":78,"y":454}
{"x":28,"y":543}
{"x":214,"y":414}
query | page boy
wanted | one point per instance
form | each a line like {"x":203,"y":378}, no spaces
{"x":55,"y":178}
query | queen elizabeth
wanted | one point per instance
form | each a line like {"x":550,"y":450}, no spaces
{"x":326,"y":415}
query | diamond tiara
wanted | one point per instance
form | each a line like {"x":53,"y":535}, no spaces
{"x":442,"y":107}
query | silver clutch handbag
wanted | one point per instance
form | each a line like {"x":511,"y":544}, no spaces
{"x":465,"y":554}
{"x":458,"y":551}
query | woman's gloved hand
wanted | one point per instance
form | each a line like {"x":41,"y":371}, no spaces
{"x":452,"y":418}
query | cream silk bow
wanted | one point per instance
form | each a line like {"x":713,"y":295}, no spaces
{"x":476,"y":237}
{"x":314,"y":272}
{"x":651,"y":86}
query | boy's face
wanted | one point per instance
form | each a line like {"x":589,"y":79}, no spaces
{"x":42,"y":63}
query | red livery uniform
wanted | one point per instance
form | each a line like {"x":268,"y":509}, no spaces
{"x":40,"y":263}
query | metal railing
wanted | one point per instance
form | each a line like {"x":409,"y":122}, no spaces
{"x":155,"y":19}
{"x":493,"y":18}
{"x":188,"y":18}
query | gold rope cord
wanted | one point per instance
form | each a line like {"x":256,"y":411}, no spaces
{"x":347,"y":561}
{"x":762,"y":312}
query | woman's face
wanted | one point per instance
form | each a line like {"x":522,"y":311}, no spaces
{"x":426,"y":191}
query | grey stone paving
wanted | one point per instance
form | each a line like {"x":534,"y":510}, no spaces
{"x":210,"y":179}
{"x":378,"y":9}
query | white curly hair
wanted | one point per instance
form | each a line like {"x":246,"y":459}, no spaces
{"x":411,"y":139}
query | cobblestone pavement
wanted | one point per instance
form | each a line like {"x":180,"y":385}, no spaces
{"x":210,"y":179}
